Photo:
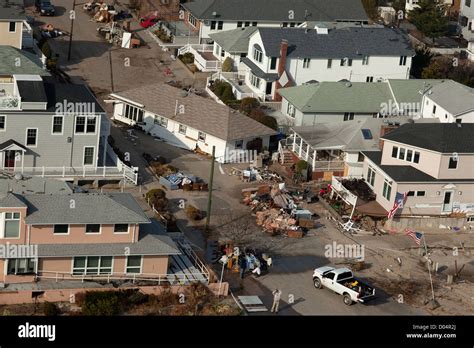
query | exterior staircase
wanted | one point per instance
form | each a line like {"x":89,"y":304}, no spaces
{"x":286,"y":158}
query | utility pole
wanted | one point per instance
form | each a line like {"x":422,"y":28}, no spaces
{"x":209,"y":197}
{"x":72,"y":15}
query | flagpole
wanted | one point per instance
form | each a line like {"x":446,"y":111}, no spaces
{"x":429,"y":268}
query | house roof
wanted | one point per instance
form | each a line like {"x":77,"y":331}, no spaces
{"x":340,"y":96}
{"x":34,"y":184}
{"x":152,"y":242}
{"x":452,"y":96}
{"x":236,"y":40}
{"x":440,"y":137}
{"x":32,"y":91}
{"x":354,"y":42}
{"x":11,"y":142}
{"x":411,"y":91}
{"x":347,"y":136}
{"x":29,"y":63}
{"x":199,"y":113}
{"x":406,"y":173}
{"x":257,"y":71}
{"x":277,"y":10}
{"x":12,"y":10}
{"x":83,"y":208}
{"x":11,"y":200}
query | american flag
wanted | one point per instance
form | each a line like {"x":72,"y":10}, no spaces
{"x":415,"y":235}
{"x":399,"y":199}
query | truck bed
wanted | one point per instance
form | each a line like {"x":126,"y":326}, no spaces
{"x":356,"y":285}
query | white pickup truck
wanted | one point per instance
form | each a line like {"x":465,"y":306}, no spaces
{"x":342,"y":282}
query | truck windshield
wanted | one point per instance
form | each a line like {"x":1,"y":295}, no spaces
{"x":344,"y":275}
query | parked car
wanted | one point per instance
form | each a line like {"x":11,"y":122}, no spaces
{"x":342,"y":282}
{"x":149,"y":21}
{"x":45,"y":8}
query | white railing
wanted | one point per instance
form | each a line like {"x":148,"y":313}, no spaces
{"x":169,"y":278}
{"x":271,"y":105}
{"x":199,"y":60}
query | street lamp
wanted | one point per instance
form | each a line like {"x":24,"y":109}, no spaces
{"x":224,"y":259}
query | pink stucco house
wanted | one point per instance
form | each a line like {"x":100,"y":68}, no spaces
{"x":72,"y":236}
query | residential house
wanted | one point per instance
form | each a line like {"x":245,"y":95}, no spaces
{"x":335,"y":149}
{"x":323,"y":102}
{"x":190,"y":121}
{"x":52,"y":129}
{"x":14,"y":29}
{"x":76,"y":236}
{"x":432,"y":162}
{"x":291,"y":57}
{"x":209,"y":16}
{"x":449,"y":102}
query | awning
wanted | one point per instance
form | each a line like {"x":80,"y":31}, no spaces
{"x":12,"y":145}
{"x":371,"y":208}
{"x":259,"y":72}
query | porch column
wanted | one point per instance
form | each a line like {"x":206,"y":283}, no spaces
{"x":307,"y":153}
{"x":294,"y":142}
{"x":301,"y":148}
{"x":314,"y":159}
{"x":22,"y":161}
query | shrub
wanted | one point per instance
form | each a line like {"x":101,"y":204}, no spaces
{"x":101,"y":303}
{"x":248,"y":104}
{"x":156,"y":193}
{"x":227,"y":94}
{"x":301,"y":165}
{"x":228,"y":65}
{"x":260,"y":116}
{"x":218,"y":87}
{"x":46,"y":50}
{"x":193,"y":213}
{"x":188,"y":58}
{"x":50,"y":309}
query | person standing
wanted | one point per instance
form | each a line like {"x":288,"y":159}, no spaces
{"x":242,"y":266}
{"x":276,"y":300}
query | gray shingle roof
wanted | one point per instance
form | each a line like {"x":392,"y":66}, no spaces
{"x":277,"y":10}
{"x":34,"y":184}
{"x":30,"y":64}
{"x":32,"y":91}
{"x":453,"y":97}
{"x":199,"y":113}
{"x":11,"y":200}
{"x":90,"y":208}
{"x":440,"y":137}
{"x":351,"y":43}
{"x":12,"y":10}
{"x":234,"y":41}
{"x":406,"y":174}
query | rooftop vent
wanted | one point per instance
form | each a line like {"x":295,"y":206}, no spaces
{"x":214,"y":14}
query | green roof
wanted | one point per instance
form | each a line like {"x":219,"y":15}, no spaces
{"x":340,"y":96}
{"x":409,"y":91}
{"x":236,"y":40}
{"x":14,"y":61}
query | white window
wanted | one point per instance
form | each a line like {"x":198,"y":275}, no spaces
{"x":369,"y":79}
{"x":182,"y":129}
{"x":61,"y":229}
{"x":291,"y":111}
{"x":453,"y":162}
{"x":403,"y":60}
{"x":31,"y":137}
{"x":192,"y":20}
{"x":121,"y":228}
{"x":91,"y":122}
{"x":202,"y":137}
{"x":395,"y":152}
{"x":306,"y":63}
{"x":254,"y":80}
{"x":346,"y":62}
{"x":257,"y":54}
{"x":92,"y":265}
{"x":12,"y":27}
{"x":3,"y":122}
{"x":11,"y":227}
{"x":21,"y":266}
{"x":86,"y":124}
{"x":387,"y":189}
{"x":365,"y":60}
{"x":93,"y":228}
{"x":329,"y":66}
{"x":239,"y":144}
{"x":401,"y":153}
{"x":57,"y":125}
{"x":416,"y":157}
{"x":80,"y":124}
{"x":348,"y":116}
{"x":134,"y":264}
{"x":88,"y":155}
{"x":133,"y":113}
{"x":470,"y":218}
{"x":370,"y":176}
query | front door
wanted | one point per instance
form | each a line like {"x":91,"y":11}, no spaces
{"x":448,"y":201}
{"x":268,"y":89}
{"x":9,"y":159}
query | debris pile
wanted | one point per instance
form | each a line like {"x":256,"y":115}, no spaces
{"x":276,"y":210}
{"x":251,"y":174}
{"x":187,"y":182}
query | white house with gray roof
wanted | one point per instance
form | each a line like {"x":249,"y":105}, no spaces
{"x":15,"y":31}
{"x":291,"y":57}
{"x":49,"y":128}
{"x":189,"y":121}
{"x":210,"y":16}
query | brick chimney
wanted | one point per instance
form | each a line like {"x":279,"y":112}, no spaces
{"x":385,"y":129}
{"x":281,"y":67}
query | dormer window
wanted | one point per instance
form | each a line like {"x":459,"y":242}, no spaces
{"x":257,"y":53}
{"x":12,"y":27}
